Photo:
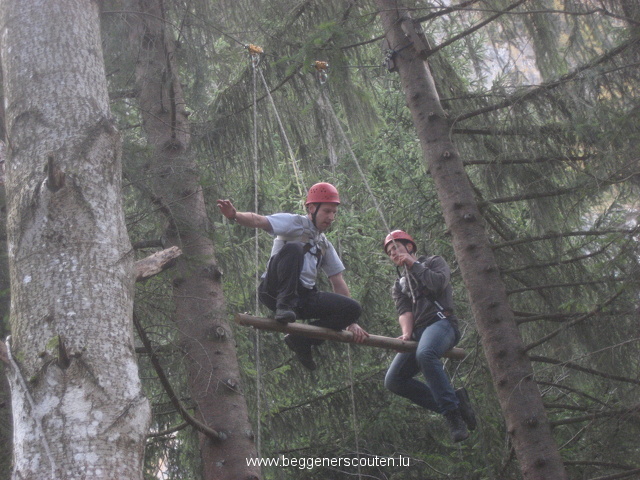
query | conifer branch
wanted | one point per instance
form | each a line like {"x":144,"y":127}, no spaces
{"x":579,"y":368}
{"x":597,"y":309}
{"x":552,"y":236}
{"x":534,"y":92}
{"x":595,"y":415}
{"x":166,"y":384}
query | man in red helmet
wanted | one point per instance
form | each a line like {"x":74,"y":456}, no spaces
{"x":424,"y":301}
{"x":300,"y":249}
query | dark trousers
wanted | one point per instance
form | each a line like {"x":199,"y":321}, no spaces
{"x":281,"y":288}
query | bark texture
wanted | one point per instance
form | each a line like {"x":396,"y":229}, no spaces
{"x":511,"y":370}
{"x":200,"y":315}
{"x":78,"y":408}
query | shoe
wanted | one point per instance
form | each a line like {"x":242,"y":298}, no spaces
{"x":457,"y":427}
{"x":466,"y":409}
{"x":285,"y":316}
{"x":303,"y":353}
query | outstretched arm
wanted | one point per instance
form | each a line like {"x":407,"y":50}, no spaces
{"x":246,"y":219}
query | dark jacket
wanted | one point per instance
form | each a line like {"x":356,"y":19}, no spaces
{"x":430,"y":279}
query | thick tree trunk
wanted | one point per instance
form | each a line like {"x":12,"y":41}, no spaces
{"x":214,"y":375}
{"x":511,"y":370}
{"x":6,"y":431}
{"x":78,"y":407}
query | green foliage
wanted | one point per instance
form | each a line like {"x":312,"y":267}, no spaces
{"x":554,"y":168}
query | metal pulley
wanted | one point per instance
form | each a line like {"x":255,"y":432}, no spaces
{"x":322,"y":68}
{"x":256,"y":53}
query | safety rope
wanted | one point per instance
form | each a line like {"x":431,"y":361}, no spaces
{"x":354,"y":414}
{"x":294,"y":163}
{"x":255,"y":59}
{"x":362,"y":175}
{"x":322,"y":75}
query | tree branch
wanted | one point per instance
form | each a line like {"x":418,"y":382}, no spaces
{"x":618,"y":476}
{"x":535,"y":91}
{"x":166,"y":384}
{"x":527,"y":161}
{"x":551,"y":236}
{"x":156,"y":263}
{"x":591,"y":371}
{"x":564,"y":285}
{"x":595,"y":415}
{"x":473,"y":29}
{"x":168,"y":431}
{"x":557,"y":263}
{"x":570,"y":324}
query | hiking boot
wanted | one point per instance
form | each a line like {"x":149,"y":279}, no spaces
{"x":466,"y":409}
{"x":302,"y":351}
{"x":284,"y":315}
{"x":457,"y":427}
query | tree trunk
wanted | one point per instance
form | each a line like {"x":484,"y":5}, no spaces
{"x":78,"y":408}
{"x":511,"y":370}
{"x":6,"y":430}
{"x":214,"y":375}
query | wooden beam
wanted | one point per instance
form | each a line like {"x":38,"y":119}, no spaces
{"x":343,"y":336}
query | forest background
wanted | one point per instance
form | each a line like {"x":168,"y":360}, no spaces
{"x":542,"y":97}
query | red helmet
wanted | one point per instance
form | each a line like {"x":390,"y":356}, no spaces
{"x":398,"y":235}
{"x":323,"y":193}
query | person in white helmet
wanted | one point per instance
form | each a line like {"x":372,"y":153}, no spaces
{"x":300,"y":250}
{"x":424,"y":302}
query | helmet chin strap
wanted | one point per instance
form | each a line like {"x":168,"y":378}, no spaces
{"x":315,"y":214}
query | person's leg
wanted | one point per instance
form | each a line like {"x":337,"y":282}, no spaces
{"x":399,"y":380}
{"x":279,"y":289}
{"x":435,"y":340}
{"x":328,"y":310}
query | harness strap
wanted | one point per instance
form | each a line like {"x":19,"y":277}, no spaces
{"x":307,"y":246}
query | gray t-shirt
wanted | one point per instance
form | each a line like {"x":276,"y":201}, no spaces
{"x":290,"y":227}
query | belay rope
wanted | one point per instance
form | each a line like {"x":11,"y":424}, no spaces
{"x":334,"y":117}
{"x":321,"y":68}
{"x":255,"y":53}
{"x":294,"y":162}
{"x":321,"y":74}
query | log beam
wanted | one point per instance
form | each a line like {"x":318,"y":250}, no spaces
{"x":343,"y":336}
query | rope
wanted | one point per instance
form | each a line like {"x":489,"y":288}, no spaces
{"x":254,"y":64}
{"x":354,"y":415}
{"x":322,"y":78}
{"x":362,"y":175}
{"x":299,"y":181}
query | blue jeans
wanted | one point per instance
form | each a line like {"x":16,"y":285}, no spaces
{"x":437,"y":394}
